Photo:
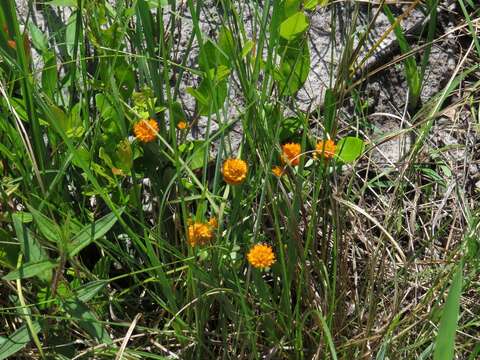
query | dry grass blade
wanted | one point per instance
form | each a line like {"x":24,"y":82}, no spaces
{"x":127,"y":337}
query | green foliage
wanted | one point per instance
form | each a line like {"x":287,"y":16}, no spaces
{"x":294,"y":66}
{"x":90,"y":233}
{"x":330,"y":111}
{"x":16,"y":341}
{"x":411,"y":71}
{"x":86,"y":319}
{"x":97,"y":225}
{"x":293,"y":26}
{"x":445,"y":340}
{"x":349,"y":149}
{"x":29,"y":270}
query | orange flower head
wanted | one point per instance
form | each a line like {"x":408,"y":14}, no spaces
{"x":326,"y":149}
{"x":291,"y":153}
{"x":277,"y":171}
{"x":234,"y":171}
{"x":12,"y":44}
{"x":146,"y":130}
{"x":199,"y":233}
{"x":261,"y":256}
{"x":182,"y":125}
{"x":213,"y":222}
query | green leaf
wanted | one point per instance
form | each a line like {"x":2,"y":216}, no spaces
{"x":294,"y":26}
{"x":210,"y":56}
{"x":104,"y":106}
{"x":310,"y":4}
{"x":70,"y":33}
{"x":30,"y":269}
{"x":9,"y":255}
{"x":197,"y":160}
{"x":125,"y":77}
{"x":49,"y":73}
{"x":290,"y":8}
{"x":330,"y":105}
{"x":209,"y":99}
{"x":9,"y":251}
{"x":29,"y":245}
{"x":86,"y":292}
{"x":81,"y":158}
{"x":218,"y":74}
{"x":74,"y":126}
{"x":124,"y":155}
{"x":68,"y":125}
{"x":69,"y":3}
{"x":226,"y":43}
{"x":46,"y":226}
{"x":178,"y":113}
{"x":249,"y":45}
{"x":155,"y":4}
{"x":39,"y":40}
{"x":349,"y":149}
{"x":86,"y":319}
{"x":294,"y":67}
{"x":445,"y":341}
{"x":91,"y":233}
{"x":290,"y":129}
{"x":17,"y":341}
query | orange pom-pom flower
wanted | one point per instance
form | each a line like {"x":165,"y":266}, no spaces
{"x":146,"y":130}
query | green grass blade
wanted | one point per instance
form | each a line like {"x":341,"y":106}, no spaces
{"x":445,"y":341}
{"x":411,"y":71}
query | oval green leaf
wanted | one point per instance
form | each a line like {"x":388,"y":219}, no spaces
{"x":294,"y":26}
{"x":31,"y":269}
{"x":349,"y":149}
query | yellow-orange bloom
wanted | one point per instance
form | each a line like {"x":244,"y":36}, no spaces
{"x":261,"y":256}
{"x":146,"y":130}
{"x":199,"y":233}
{"x":213,"y":222}
{"x":12,"y":44}
{"x":326,"y":149}
{"x":291,"y":153}
{"x":182,"y":125}
{"x":277,"y":171}
{"x":234,"y":171}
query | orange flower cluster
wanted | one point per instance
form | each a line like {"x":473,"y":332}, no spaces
{"x":277,"y":171}
{"x":291,"y":154}
{"x":261,"y":256}
{"x":146,"y":130}
{"x":326,"y":149}
{"x":182,"y":125}
{"x":234,"y":171}
{"x":201,"y":233}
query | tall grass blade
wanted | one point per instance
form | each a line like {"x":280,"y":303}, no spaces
{"x":445,"y":341}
